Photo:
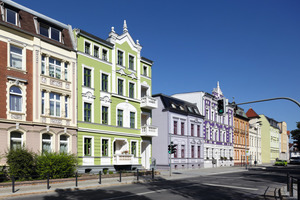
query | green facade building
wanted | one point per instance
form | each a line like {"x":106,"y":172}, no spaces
{"x":114,"y":103}
{"x":270,"y":139}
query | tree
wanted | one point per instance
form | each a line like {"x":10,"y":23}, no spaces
{"x":296,"y":135}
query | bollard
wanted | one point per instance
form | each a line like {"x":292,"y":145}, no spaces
{"x":137,"y":174}
{"x":13,"y":184}
{"x":152,"y":173}
{"x":76,"y":179}
{"x":100,"y":177}
{"x":48,"y":187}
{"x":291,"y":188}
{"x":120,"y":176}
{"x":298,"y":188}
{"x":288,"y":182}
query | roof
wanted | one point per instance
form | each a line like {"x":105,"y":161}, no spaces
{"x":147,"y":60}
{"x":240,"y":113}
{"x":178,"y":106}
{"x":272,"y":122}
{"x":93,"y":37}
{"x":252,"y":114}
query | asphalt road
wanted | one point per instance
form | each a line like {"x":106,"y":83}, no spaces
{"x":252,"y":184}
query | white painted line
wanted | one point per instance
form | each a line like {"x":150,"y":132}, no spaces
{"x":227,"y":186}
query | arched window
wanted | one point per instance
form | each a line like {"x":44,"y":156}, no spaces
{"x":15,"y":99}
{"x":15,"y":140}
{"x":64,"y":144}
{"x":46,"y":143}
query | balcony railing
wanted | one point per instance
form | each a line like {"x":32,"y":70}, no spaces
{"x":148,"y":102}
{"x":150,"y":131}
{"x":123,"y":159}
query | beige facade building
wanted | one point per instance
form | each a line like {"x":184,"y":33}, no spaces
{"x":37,"y":82}
{"x":284,"y":141}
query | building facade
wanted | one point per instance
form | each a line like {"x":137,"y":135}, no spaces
{"x":37,"y":82}
{"x":284,"y":141}
{"x":114,"y":102}
{"x":181,"y":123}
{"x":254,"y":136}
{"x":241,"y":138}
{"x":270,"y":138}
{"x":217,"y":129}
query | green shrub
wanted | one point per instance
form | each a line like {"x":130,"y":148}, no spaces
{"x":105,"y":170}
{"x":58,"y":165}
{"x":3,"y":174}
{"x":21,"y":163}
{"x":110,"y":172}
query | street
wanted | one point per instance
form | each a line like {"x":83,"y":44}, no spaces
{"x":253,"y":184}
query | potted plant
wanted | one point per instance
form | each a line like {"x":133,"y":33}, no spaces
{"x":225,"y":158}
{"x":231,"y":158}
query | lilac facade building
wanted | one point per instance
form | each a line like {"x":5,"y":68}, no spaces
{"x":217,"y":129}
{"x":180,"y":122}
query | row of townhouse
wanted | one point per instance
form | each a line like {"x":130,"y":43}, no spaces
{"x":205,"y":138}
{"x":66,"y":90}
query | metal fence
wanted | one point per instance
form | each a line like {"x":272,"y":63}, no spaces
{"x":293,"y":185}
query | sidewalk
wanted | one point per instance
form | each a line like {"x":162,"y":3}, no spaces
{"x":69,"y":184}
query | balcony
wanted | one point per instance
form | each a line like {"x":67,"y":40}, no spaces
{"x":149,"y":131}
{"x":148,"y":102}
{"x":124,"y":159}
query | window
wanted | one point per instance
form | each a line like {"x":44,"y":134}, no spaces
{"x":63,"y":144}
{"x":104,"y":115}
{"x":96,"y":51}
{"x":145,"y":71}
{"x":87,"y":77}
{"x":104,"y":82}
{"x":43,"y":102}
{"x":132,"y":120}
{"x":66,"y":71}
{"x":120,"y":58}
{"x":87,"y":48}
{"x":54,"y":104}
{"x":198,"y":130}
{"x":104,"y":147}
{"x":15,"y":140}
{"x":182,"y":128}
{"x":175,"y":128}
{"x":131,"y":90}
{"x":43,"y":65}
{"x":15,"y":57}
{"x":87,"y":112}
{"x":120,"y":117}
{"x":66,"y":106}
{"x":87,"y":146}
{"x":131,"y":62}
{"x":15,"y":99}
{"x":120,"y":87}
{"x":192,"y":129}
{"x":46,"y":143}
{"x":11,"y":16}
{"x":54,"y":68}
{"x":182,"y":151}
{"x":50,"y":32}
{"x":104,"y":54}
{"x":193,"y":151}
{"x":199,"y":151}
{"x":133,"y":149}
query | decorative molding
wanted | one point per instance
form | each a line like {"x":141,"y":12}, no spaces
{"x":89,"y":95}
{"x":121,"y":71}
{"x":16,"y":116}
{"x":105,"y":99}
{"x":56,"y":121}
{"x":133,"y":76}
{"x":56,"y":83}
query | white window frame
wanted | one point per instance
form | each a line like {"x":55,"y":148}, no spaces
{"x":47,"y":141}
{"x":108,"y":81}
{"x":56,"y":67}
{"x":43,"y":102}
{"x":99,"y":51}
{"x":123,"y":60}
{"x":85,"y":41}
{"x":50,"y":31}
{"x":16,"y":16}
{"x":16,"y":94}
{"x":108,"y":114}
{"x":124,"y":85}
{"x":108,"y":146}
{"x":92,"y":146}
{"x":64,"y":142}
{"x":137,"y":148}
{"x":145,"y":66}
{"x":92,"y":76}
{"x":134,"y":89}
{"x":107,"y":55}
{"x":15,"y":139}
{"x":55,"y":104}
{"x":66,"y":106}
{"x":23,"y":56}
{"x":92,"y":110}
{"x":134,"y":62}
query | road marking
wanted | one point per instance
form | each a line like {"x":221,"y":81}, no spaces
{"x":227,"y":186}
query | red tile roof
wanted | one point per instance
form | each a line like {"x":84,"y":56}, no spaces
{"x":252,"y":114}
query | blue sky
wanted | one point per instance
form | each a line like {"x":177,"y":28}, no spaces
{"x":251,"y":46}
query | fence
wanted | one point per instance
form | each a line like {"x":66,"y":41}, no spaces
{"x":121,"y":174}
{"x":292,"y":181}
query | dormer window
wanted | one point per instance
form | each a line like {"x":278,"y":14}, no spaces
{"x":11,"y":16}
{"x":50,"y":32}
